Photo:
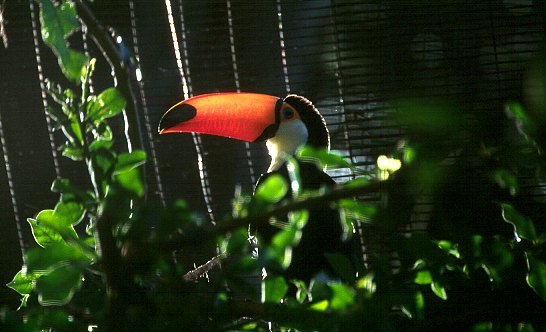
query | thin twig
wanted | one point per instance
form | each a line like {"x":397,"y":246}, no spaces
{"x":196,"y":273}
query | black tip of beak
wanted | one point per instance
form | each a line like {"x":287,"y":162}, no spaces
{"x":176,"y":115}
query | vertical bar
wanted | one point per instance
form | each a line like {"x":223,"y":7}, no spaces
{"x":147,"y":122}
{"x":186,"y":89}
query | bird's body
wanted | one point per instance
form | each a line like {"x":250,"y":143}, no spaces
{"x":285,"y":125}
{"x":322,"y":233}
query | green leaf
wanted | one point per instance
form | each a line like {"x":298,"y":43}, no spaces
{"x":73,"y":152}
{"x":419,"y":305}
{"x":131,"y":182}
{"x":274,"y":289}
{"x":319,"y":306}
{"x":273,"y":189}
{"x":439,"y":290}
{"x":367,"y":283}
{"x":523,"y":226}
{"x":302,"y":291}
{"x":43,"y":260}
{"x":536,"y":277}
{"x":423,"y":277}
{"x":100,"y":144}
{"x":109,"y":103}
{"x":128,"y":161}
{"x":342,"y":265}
{"x":237,"y":241}
{"x":58,"y":286}
{"x":323,"y":157}
{"x":70,"y":192}
{"x":342,"y":296}
{"x":356,"y":183}
{"x":362,"y":210}
{"x":52,"y":226}
{"x":22,"y":283}
{"x":43,"y":235}
{"x":58,"y":22}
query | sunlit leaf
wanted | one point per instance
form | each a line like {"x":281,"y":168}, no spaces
{"x":73,"y":152}
{"x":356,"y":183}
{"x":419,"y":305}
{"x":342,"y":296}
{"x":323,"y":157}
{"x":536,"y":278}
{"x":52,"y":226}
{"x":362,"y":210}
{"x":367,"y":283}
{"x":523,"y":226}
{"x":58,"y":286}
{"x":131,"y":181}
{"x":423,"y":277}
{"x":273,"y":189}
{"x":44,"y":260}
{"x":274,"y":289}
{"x":439,"y":290}
{"x":302,"y":291}
{"x":109,"y":103}
{"x":127,"y":161}
{"x":319,"y":306}
{"x":22,"y":282}
{"x":44,"y":235}
{"x":57,"y":23}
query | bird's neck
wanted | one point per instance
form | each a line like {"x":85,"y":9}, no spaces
{"x":288,"y":138}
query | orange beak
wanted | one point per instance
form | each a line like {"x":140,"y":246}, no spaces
{"x":249,"y":117}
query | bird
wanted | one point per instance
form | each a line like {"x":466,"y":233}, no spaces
{"x":285,"y":125}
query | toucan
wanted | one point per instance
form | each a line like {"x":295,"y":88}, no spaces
{"x":284,"y":124}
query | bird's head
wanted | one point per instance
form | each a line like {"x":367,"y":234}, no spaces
{"x":284,"y":124}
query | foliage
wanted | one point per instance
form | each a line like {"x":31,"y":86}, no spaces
{"x":481,"y":263}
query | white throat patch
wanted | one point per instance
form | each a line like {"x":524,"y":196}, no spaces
{"x":288,"y":138}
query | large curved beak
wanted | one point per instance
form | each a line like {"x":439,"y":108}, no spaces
{"x":246,"y":116}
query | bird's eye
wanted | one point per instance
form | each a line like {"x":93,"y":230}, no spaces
{"x":288,"y":113}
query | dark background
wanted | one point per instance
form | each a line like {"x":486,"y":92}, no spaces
{"x":351,"y":58}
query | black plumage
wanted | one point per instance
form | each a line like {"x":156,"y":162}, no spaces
{"x":323,"y":231}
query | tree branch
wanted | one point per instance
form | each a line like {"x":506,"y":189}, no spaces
{"x":235,"y":223}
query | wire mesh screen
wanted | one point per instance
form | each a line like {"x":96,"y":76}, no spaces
{"x":351,"y":58}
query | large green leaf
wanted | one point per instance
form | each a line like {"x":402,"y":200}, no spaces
{"x":439,"y":290}
{"x":323,"y":157}
{"x":273,"y":189}
{"x":129,"y":160}
{"x":52,"y":226}
{"x":43,"y":260}
{"x":536,"y":278}
{"x":342,"y":296}
{"x":274,"y":289}
{"x":44,"y":235}
{"x":108,"y":103}
{"x":58,"y":286}
{"x":58,"y":22}
{"x":131,"y":182}
{"x":22,"y":283}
